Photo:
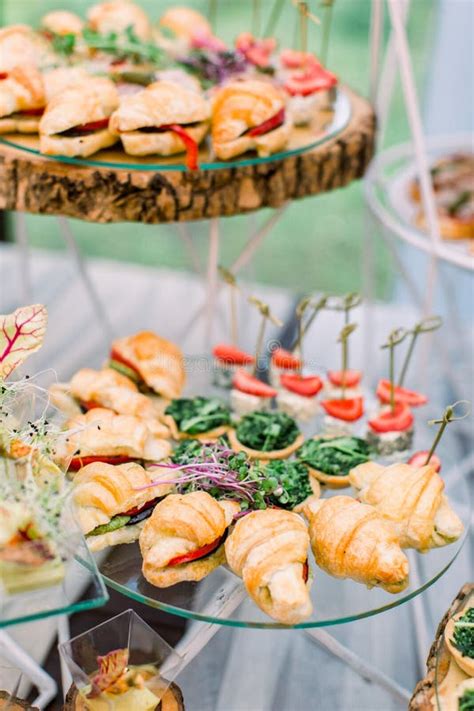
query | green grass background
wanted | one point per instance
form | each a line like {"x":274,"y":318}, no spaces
{"x":319,"y":242}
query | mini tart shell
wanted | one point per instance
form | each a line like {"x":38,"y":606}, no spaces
{"x":208,"y":436}
{"x":330,"y":480}
{"x":464,"y":663}
{"x":237,"y":446}
{"x":193,"y":571}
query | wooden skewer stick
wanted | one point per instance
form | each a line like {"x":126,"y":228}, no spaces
{"x":301,"y":307}
{"x":256,"y":18}
{"x":448,"y":416}
{"x":212,"y":10}
{"x":431,"y":323}
{"x":346,"y":303}
{"x":266,"y":316}
{"x":231,"y":281}
{"x":274,"y":18}
{"x":327,"y":22}
{"x":344,"y":340}
{"x":395,"y":337}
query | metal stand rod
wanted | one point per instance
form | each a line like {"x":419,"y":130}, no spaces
{"x":212,"y":274}
{"x":21,"y":239}
{"x":16,"y":656}
{"x":363,"y":669}
{"x":419,"y":613}
{"x":63,"y":636}
{"x":376,"y":36}
{"x":187,"y":240}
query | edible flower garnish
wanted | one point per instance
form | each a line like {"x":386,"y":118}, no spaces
{"x":111,"y":667}
{"x":21,"y":335}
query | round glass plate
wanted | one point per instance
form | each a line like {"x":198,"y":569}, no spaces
{"x":326,"y":124}
{"x":221,"y":598}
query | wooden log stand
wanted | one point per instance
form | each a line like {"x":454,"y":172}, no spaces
{"x":171,"y":701}
{"x":35,"y":184}
{"x":12,"y":703}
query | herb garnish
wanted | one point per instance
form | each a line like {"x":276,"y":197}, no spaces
{"x":198,"y":415}
{"x":64,"y":44}
{"x":460,"y":201}
{"x":125,"y":45}
{"x":212,"y":67}
{"x":463,"y":636}
{"x":335,"y":456}
{"x":267,"y":431}
{"x":290,"y":481}
{"x":466,"y":702}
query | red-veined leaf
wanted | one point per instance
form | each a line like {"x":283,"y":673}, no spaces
{"x":111,"y":668}
{"x":21,"y":335}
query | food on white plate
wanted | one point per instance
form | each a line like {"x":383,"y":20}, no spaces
{"x":308,"y":83}
{"x":391,"y":430}
{"x":297,"y":395}
{"x":163,"y":119}
{"x":184,"y":538}
{"x":100,"y":435}
{"x":112,"y":503}
{"x":250,"y":394}
{"x":269,"y":551}
{"x":353,"y":540}
{"x":22,"y":100}
{"x":412,"y":499}
{"x":249,"y":115}
{"x":202,"y":418}
{"x":228,"y":360}
{"x":266,"y":435}
{"x":283,"y":362}
{"x":153,"y":363}
{"x":330,"y":459}
{"x":459,"y":638}
{"x":61,"y":22}
{"x":21,"y":46}
{"x":119,"y":16}
{"x":341,"y":382}
{"x":76,"y":121}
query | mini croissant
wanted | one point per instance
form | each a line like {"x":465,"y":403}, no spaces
{"x":412,"y":499}
{"x":269,"y":551}
{"x":183,"y":539}
{"x":352,"y":540}
{"x":22,"y":100}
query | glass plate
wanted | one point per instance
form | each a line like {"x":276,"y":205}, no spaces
{"x":218,"y":598}
{"x":81,"y":589}
{"x":326,"y":125}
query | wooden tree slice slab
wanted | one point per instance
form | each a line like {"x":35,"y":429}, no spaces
{"x":439,"y":660}
{"x":36,"y":184}
{"x":14,"y":704}
{"x":171,"y":701}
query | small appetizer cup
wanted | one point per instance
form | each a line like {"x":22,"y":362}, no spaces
{"x":464,"y":662}
{"x":154,"y":661}
{"x":237,"y":446}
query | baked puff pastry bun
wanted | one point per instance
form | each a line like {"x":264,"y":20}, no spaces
{"x":412,"y":499}
{"x":164,"y":119}
{"x":22,"y":46}
{"x":249,"y":115}
{"x":269,"y":551}
{"x":22,"y":100}
{"x":183,"y":539}
{"x":101,"y":435}
{"x":62,"y":22}
{"x":112,"y":503}
{"x":61,"y":79}
{"x":76,"y":121}
{"x":352,"y":540}
{"x":155,"y":364}
{"x":118,"y":16}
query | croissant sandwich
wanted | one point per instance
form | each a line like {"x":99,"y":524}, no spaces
{"x":113,"y":502}
{"x":249,"y":115}
{"x":152,"y":362}
{"x":76,"y":121}
{"x":61,"y":22}
{"x":63,"y":78}
{"x":269,"y":550}
{"x":163,"y":119}
{"x":22,"y":100}
{"x":184,"y":538}
{"x":119,"y":16}
{"x":22,"y":46}
{"x":412,"y":499}
{"x":102,"y":436}
{"x":352,"y":540}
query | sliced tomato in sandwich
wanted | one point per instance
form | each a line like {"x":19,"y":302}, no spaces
{"x":191,"y":145}
{"x":93,"y":125}
{"x":115,"y":355}
{"x":251,"y":385}
{"x":232,"y":355}
{"x":419,"y":460}
{"x":347,"y":378}
{"x":3,"y":75}
{"x":399,"y":420}
{"x":305,"y":385}
{"x":32,"y":112}
{"x":89,"y":404}
{"x":269,"y":125}
{"x":285,"y":360}
{"x":305,"y":571}
{"x":79,"y":462}
{"x":308,"y":80}
{"x":198,"y":553}
{"x":347,"y":409}
{"x":402,"y":395}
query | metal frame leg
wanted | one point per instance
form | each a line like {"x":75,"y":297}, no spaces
{"x":212,"y":276}
{"x":45,"y":684}
{"x":63,"y":636}
{"x":20,"y":234}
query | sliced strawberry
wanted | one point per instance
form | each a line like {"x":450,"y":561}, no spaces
{"x":285,"y":360}
{"x":295,"y":59}
{"x":402,"y":395}
{"x":419,"y":460}
{"x":232,"y":355}
{"x":32,"y":112}
{"x":305,"y":385}
{"x":398,"y":421}
{"x":349,"y":378}
{"x":199,"y":553}
{"x":348,"y":409}
{"x":251,"y":385}
{"x":92,"y":125}
{"x":79,"y":462}
{"x":309,"y":80}
{"x":268,"y":125}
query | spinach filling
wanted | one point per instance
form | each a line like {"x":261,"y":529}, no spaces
{"x":267,"y":431}
{"x":122,"y":520}
{"x":463,"y":636}
{"x":334,"y":456}
{"x":191,"y":450}
{"x":197,"y":415}
{"x":288,"y":482}
{"x":466,"y":702}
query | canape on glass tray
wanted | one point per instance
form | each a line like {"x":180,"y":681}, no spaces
{"x":22,"y":100}
{"x":266,"y":435}
{"x":283,"y":362}
{"x":250,"y":394}
{"x":309,"y":84}
{"x":259,"y":52}
{"x":331,"y":458}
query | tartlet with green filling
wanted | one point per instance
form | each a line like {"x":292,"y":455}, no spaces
{"x":201,"y":418}
{"x":459,"y":637}
{"x":266,"y":435}
{"x":290,"y":483}
{"x":330,"y":459}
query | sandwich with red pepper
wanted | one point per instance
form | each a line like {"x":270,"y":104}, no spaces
{"x":76,"y":120}
{"x":22,"y":100}
{"x":164,"y":119}
{"x":249,"y":115}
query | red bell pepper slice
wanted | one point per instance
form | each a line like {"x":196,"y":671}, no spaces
{"x":251,"y":385}
{"x":114,"y":355}
{"x":268,"y":125}
{"x":305,"y":571}
{"x":89,"y":404}
{"x":32,"y":112}
{"x":402,"y":395}
{"x":348,"y":378}
{"x":347,"y":409}
{"x":79,"y":462}
{"x":93,"y":125}
{"x":399,"y":420}
{"x":419,"y":460}
{"x":285,"y":360}
{"x":138,"y":509}
{"x":190,"y":144}
{"x":194,"y":555}
{"x":231,"y":355}
{"x":3,"y":75}
{"x":305,"y":385}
